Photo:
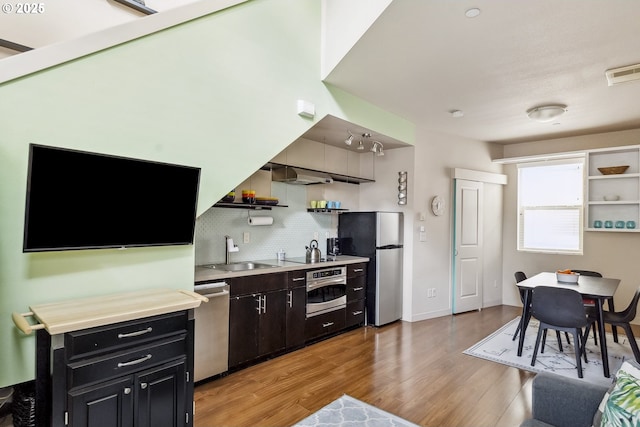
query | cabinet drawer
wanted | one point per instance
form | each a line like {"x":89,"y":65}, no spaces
{"x":356,"y":288}
{"x":359,"y":269}
{"x":296,"y":279}
{"x":90,"y":370}
{"x":355,"y":313}
{"x":95,"y":340}
{"x":324,"y":324}
{"x":257,"y":284}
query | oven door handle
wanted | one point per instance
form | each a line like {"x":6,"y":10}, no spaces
{"x":326,"y":282}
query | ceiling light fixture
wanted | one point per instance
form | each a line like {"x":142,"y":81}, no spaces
{"x":546,"y":113}
{"x":456,"y":114}
{"x":360,"y":145}
{"x":472,"y":13}
{"x":377,"y":148}
{"x":349,"y":140}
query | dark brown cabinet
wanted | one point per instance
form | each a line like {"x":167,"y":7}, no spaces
{"x":257,"y":317}
{"x":268,"y":314}
{"x":134,"y":373}
{"x":296,"y":309}
{"x":356,"y":291}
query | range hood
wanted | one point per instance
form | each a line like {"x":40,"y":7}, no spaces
{"x":293,"y":175}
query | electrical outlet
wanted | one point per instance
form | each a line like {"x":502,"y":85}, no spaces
{"x":315,"y":235}
{"x":428,"y":292}
{"x":433,"y":292}
{"x":246,"y":237}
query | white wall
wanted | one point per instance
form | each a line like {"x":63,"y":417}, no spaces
{"x":435,"y":156}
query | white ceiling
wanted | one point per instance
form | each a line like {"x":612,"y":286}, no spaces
{"x":423,"y":59}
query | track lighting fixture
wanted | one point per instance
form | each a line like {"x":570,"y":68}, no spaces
{"x":349,"y":140}
{"x":377,"y":148}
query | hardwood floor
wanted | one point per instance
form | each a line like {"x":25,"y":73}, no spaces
{"x":414,"y":370}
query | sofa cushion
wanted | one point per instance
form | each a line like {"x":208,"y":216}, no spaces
{"x":621,"y":404}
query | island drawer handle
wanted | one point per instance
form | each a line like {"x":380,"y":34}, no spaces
{"x":297,"y":279}
{"x":358,"y":289}
{"x":355,"y":313}
{"x":136,"y":334}
{"x":134,"y":362}
{"x":326,"y":325}
{"x":358,"y":270}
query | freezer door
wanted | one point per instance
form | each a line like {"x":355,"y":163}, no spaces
{"x":389,"y":228}
{"x":388,"y":286}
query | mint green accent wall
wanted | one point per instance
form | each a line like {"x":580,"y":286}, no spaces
{"x":218,"y":92}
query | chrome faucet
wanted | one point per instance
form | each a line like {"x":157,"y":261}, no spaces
{"x":228,"y":248}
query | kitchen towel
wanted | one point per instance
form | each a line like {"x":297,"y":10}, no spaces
{"x":260,"y":220}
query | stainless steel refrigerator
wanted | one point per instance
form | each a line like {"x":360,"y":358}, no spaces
{"x":377,"y":235}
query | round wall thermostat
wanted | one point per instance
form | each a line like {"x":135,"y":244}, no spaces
{"x":437,"y":205}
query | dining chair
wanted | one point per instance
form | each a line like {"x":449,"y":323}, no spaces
{"x":589,"y":302}
{"x":520,"y":276}
{"x":620,"y":318}
{"x":562,"y":310}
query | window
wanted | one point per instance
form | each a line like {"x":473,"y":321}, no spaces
{"x":550,"y":209}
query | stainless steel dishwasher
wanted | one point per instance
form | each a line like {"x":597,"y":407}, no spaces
{"x":211,"y":339}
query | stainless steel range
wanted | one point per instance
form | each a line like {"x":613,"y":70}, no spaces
{"x":326,"y":290}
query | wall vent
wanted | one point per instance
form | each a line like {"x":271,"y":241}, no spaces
{"x":623,"y":74}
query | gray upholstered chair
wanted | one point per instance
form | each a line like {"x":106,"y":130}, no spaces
{"x":562,"y":310}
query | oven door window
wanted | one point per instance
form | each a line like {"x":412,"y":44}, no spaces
{"x":326,"y":293}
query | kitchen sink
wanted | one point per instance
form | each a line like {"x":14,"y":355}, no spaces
{"x":239,"y":266}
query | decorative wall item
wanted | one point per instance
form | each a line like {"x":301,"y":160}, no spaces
{"x":402,"y":188}
{"x":437,"y":205}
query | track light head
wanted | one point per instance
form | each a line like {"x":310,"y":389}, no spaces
{"x":349,"y":140}
{"x":360,"y":145}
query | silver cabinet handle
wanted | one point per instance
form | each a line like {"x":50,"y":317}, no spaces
{"x":259,"y":300}
{"x":143,"y":385}
{"x":264,"y":304}
{"x":326,"y":325}
{"x":358,"y":289}
{"x":136,"y":334}
{"x":358,"y":270}
{"x":290,"y":299}
{"x":355,"y":313}
{"x":127,"y":390}
{"x":134,"y":362}
{"x":297,"y":279}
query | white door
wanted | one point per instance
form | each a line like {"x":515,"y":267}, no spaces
{"x":467,"y":283}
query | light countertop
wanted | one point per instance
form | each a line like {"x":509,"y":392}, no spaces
{"x":82,"y":313}
{"x":204,"y":274}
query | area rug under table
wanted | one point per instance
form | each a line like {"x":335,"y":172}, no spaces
{"x":351,"y":412}
{"x":499,"y":347}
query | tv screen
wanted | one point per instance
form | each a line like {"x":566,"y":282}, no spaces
{"x":82,"y":200}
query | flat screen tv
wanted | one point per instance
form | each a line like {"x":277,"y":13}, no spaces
{"x":83,"y":200}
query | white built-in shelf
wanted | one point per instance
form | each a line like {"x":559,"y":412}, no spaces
{"x":625,"y":185}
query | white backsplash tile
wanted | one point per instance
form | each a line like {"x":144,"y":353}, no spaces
{"x":293,"y":228}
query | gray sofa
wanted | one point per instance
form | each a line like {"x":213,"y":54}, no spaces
{"x":563,"y":402}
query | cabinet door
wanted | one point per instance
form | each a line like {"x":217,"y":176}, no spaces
{"x":296,"y":312}
{"x":244,"y":314}
{"x":272,"y":336}
{"x":161,"y":399}
{"x":108,"y":404}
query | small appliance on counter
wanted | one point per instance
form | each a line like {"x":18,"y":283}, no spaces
{"x":333,"y":246}
{"x":313,"y":253}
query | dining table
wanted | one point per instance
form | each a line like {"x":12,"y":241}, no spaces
{"x":600,"y":289}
